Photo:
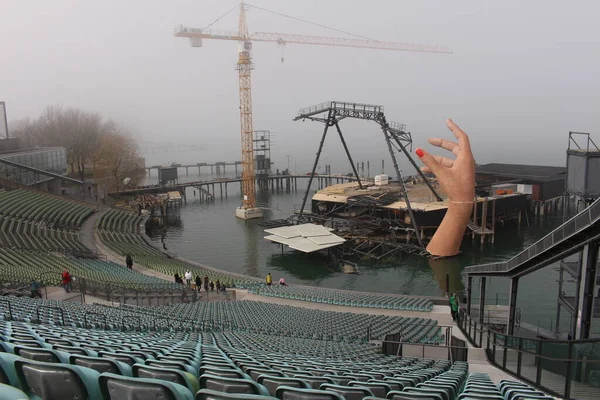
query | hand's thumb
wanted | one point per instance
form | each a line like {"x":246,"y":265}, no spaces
{"x":428,"y":160}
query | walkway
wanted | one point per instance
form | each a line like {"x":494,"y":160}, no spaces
{"x":567,"y":239}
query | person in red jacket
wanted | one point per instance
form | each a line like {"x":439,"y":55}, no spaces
{"x":66,"y":281}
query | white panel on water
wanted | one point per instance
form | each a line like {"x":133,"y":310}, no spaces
{"x":307,"y":246}
{"x":308,"y":230}
{"x":287,"y":232}
{"x":306,"y":237}
{"x":331,"y":239}
{"x":277,"y":239}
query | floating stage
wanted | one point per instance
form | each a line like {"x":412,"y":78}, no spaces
{"x":375,"y":220}
{"x":378,"y":218}
{"x":378,"y":205}
{"x":306,"y":238}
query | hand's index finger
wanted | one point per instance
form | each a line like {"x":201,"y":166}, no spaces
{"x":463,"y":139}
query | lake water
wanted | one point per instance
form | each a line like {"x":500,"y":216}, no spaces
{"x":210,"y":234}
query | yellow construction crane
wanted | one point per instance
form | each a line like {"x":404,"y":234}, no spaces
{"x":244,"y":67}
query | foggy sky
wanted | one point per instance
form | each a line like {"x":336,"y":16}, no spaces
{"x":522,"y":75}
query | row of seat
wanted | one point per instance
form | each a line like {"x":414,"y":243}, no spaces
{"x":239,"y":316}
{"x":33,"y":206}
{"x":343,"y":298}
{"x":184,"y":366}
{"x":114,"y":230}
{"x":24,"y":234}
{"x":119,"y":220}
{"x":21,"y":266}
{"x":480,"y":386}
{"x":34,"y":221}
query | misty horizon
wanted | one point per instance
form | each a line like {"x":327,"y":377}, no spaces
{"x":521,"y":77}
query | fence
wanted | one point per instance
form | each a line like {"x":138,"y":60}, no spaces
{"x":393,"y":345}
{"x":159,"y":294}
{"x":454,"y":349}
{"x":567,"y":369}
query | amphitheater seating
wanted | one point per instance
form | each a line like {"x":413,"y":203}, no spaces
{"x":343,"y":298}
{"x":119,"y":220}
{"x":21,"y":266}
{"x":240,"y":316}
{"x":117,"y":229}
{"x":224,"y":365}
{"x":30,"y":220}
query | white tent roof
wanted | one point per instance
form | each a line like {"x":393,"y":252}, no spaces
{"x":307,"y":238}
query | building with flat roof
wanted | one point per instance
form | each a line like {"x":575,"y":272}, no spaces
{"x":27,"y":166}
{"x":547,"y":182}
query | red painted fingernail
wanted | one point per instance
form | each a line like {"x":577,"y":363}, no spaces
{"x":419,"y":152}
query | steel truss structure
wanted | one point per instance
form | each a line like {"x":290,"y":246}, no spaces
{"x":396,"y":138}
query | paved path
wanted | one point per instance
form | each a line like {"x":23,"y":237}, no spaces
{"x":86,"y":231}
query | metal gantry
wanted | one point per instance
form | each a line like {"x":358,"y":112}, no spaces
{"x":396,"y":138}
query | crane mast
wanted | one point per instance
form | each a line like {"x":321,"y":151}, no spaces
{"x":244,"y":67}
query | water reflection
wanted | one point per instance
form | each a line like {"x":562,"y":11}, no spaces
{"x":450,"y":267}
{"x":306,"y":267}
{"x":251,"y":246}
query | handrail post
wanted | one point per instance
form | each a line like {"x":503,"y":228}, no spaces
{"x":10,"y":313}
{"x":520,"y":356}
{"x":61,"y":312}
{"x":162,"y":318}
{"x":85,"y":319}
{"x":567,"y":393}
{"x":538,"y":362}
{"x":136,"y":317}
{"x":494,"y":346}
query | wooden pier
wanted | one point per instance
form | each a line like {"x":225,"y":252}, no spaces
{"x":208,"y":188}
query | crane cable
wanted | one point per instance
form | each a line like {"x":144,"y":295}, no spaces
{"x":309,"y":22}
{"x":221,"y":17}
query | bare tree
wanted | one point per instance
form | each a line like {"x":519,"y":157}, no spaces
{"x":85,"y":139}
{"x":118,"y":157}
{"x":77,"y":131}
{"x":26,"y":130}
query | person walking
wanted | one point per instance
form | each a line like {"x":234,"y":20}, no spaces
{"x":188,"y":277}
{"x":34,"y":287}
{"x":454,"y":306}
{"x":212,"y":286}
{"x":129,"y":261}
{"x":66,"y":280}
{"x":205,"y":283}
{"x":198,"y":283}
{"x":269,"y":279}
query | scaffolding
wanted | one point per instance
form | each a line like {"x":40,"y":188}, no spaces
{"x":396,"y":138}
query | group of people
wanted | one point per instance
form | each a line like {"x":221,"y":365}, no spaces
{"x":269,"y":280}
{"x":65,"y":280}
{"x":200,"y":282}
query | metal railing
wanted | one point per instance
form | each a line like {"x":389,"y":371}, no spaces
{"x":340,"y":105}
{"x":57,"y":309}
{"x":423,"y":350}
{"x":151,"y":294}
{"x":574,"y":225}
{"x":567,"y":369}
